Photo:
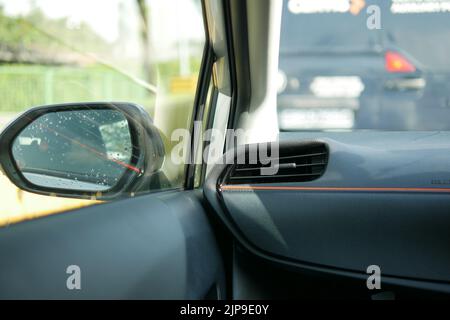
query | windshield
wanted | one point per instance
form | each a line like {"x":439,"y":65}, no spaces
{"x":364,"y":64}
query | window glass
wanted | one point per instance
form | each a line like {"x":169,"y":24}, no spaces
{"x":146,"y":52}
{"x":51,"y":150}
{"x":364,"y":65}
{"x":424,"y":35}
{"x":304,"y":30}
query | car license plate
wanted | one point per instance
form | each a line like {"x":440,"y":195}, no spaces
{"x":317,"y":119}
{"x":333,"y":87}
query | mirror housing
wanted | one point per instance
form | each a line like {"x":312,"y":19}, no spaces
{"x":98,"y":150}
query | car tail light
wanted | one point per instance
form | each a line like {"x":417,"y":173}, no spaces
{"x":395,"y":62}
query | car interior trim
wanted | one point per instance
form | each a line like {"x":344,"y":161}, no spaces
{"x":332,"y":189}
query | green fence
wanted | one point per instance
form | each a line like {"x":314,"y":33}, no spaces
{"x":23,"y":86}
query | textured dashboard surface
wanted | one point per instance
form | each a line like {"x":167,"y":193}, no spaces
{"x":384,"y":200}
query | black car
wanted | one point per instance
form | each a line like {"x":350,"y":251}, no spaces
{"x":341,"y":69}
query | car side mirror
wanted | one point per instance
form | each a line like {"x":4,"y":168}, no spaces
{"x":82,"y":150}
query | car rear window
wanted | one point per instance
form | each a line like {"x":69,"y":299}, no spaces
{"x":423,"y":35}
{"x":317,"y":25}
{"x":421,"y":28}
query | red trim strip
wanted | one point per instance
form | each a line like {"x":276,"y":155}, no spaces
{"x":345,"y":189}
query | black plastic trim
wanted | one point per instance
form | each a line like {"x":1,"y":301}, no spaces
{"x":200,"y":99}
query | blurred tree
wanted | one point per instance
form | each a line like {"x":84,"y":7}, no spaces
{"x":150,"y":74}
{"x":35,"y":38}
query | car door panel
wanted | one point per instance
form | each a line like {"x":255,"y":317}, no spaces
{"x":156,"y":246}
{"x":349,"y":231}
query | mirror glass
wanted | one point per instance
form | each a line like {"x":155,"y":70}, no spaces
{"x":85,"y":150}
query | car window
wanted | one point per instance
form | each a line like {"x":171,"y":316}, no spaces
{"x":364,"y":65}
{"x":304,"y":28}
{"x":140,"y":51}
{"x":425,"y":35}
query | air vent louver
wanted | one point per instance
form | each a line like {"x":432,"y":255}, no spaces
{"x":295,"y":164}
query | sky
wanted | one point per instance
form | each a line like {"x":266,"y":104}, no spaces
{"x":103,"y":15}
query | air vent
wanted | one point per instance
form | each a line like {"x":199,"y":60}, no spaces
{"x":295,"y":164}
